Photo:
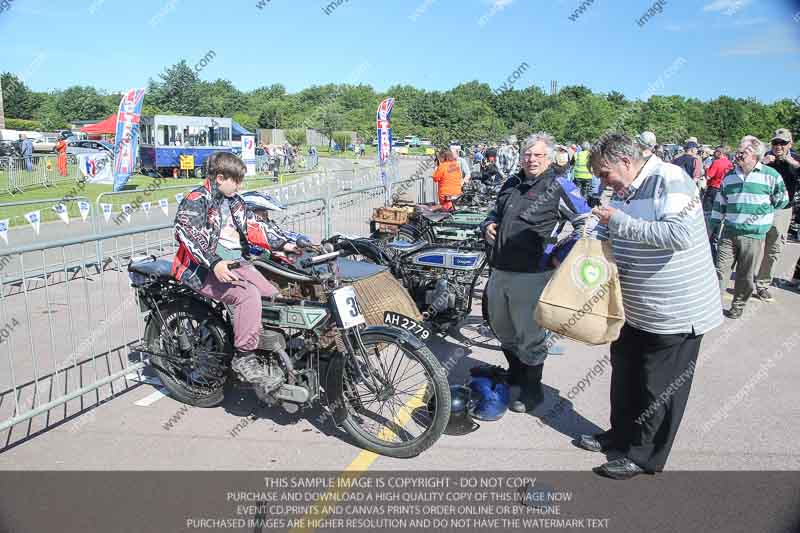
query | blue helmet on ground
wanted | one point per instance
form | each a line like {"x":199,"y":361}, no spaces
{"x":490,"y":398}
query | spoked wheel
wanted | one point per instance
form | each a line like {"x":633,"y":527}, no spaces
{"x":396,"y":396}
{"x":474,"y":331}
{"x":198,"y":377}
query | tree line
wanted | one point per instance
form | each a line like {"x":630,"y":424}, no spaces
{"x":471,"y":112}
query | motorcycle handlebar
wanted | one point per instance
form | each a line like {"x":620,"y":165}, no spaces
{"x":316,"y":260}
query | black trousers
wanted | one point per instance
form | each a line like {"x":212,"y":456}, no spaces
{"x":651,"y":376}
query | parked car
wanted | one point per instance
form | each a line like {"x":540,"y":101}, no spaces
{"x":45,"y":143}
{"x":88,"y":147}
{"x":9,"y":149}
{"x":411,"y":140}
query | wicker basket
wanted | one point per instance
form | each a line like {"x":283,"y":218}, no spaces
{"x":382,"y":292}
{"x":392,"y":215}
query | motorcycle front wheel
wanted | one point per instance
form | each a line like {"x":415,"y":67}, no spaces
{"x":198,"y":377}
{"x":397,"y":401}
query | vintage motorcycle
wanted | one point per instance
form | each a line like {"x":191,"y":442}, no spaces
{"x":382,"y":385}
{"x":460,"y":226}
{"x":440,"y":279}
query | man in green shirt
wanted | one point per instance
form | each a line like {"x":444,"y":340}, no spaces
{"x":744,"y":210}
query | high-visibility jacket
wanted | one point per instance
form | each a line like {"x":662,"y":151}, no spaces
{"x":581,"y":170}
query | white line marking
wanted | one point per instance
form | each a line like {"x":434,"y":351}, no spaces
{"x":152,"y":398}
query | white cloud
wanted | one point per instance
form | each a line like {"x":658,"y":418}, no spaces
{"x":780,"y":41}
{"x":751,"y":22}
{"x":729,"y":6}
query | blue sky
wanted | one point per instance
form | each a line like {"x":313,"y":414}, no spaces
{"x":740,"y":48}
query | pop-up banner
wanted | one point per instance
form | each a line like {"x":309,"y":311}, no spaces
{"x":249,"y":154}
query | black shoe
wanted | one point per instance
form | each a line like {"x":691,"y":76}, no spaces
{"x":494,"y":372}
{"x":764,"y":295}
{"x":622,"y":468}
{"x":733,"y":313}
{"x":600,"y":443}
{"x":514,"y":374}
{"x":249,"y":367}
{"x":532,"y":394}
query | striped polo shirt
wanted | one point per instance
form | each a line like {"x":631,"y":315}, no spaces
{"x":658,"y":235}
{"x":747,"y":204}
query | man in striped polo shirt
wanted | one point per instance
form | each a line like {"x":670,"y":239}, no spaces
{"x":657,"y":231}
{"x":744,"y":210}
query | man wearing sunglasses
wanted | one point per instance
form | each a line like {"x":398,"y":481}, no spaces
{"x":787,"y":162}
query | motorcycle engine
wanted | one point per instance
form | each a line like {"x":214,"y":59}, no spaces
{"x":440,"y":280}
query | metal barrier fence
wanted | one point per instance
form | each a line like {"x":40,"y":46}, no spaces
{"x":350,"y":211}
{"x":271,"y":164}
{"x":37,"y":171}
{"x":66,"y":332}
{"x":411,"y":191}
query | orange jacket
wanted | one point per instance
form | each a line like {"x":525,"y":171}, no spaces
{"x":448,"y":176}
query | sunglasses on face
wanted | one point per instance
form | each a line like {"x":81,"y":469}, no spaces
{"x":779,"y":143}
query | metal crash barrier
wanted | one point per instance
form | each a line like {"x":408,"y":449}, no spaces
{"x":36,"y":171}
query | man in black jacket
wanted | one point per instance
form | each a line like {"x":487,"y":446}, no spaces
{"x":787,"y":162}
{"x":522,"y":230}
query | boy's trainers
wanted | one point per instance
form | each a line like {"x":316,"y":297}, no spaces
{"x":764,"y":295}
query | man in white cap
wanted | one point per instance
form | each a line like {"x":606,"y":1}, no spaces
{"x":647,"y":140}
{"x":787,"y":162}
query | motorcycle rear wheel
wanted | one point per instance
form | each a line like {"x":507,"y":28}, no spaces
{"x":190,"y":383}
{"x":416,"y":398}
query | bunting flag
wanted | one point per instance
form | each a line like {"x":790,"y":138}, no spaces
{"x":61,"y":211}
{"x":179,"y":198}
{"x":34,"y":219}
{"x":84,"y":208}
{"x":106,"y":211}
{"x":164,"y":205}
{"x":146,"y":209}
{"x":126,"y":211}
{"x":4,"y":230}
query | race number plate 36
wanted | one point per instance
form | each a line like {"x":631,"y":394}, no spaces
{"x":347,"y":306}
{"x":390,"y":318}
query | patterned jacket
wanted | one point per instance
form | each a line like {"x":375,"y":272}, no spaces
{"x":197,"y":230}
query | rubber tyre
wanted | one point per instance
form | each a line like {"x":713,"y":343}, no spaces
{"x":441,"y":412}
{"x":176,"y":388}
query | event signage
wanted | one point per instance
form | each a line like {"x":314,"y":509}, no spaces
{"x":187,"y":161}
{"x":127,"y":137}
{"x":384,"y":127}
{"x":249,"y":154}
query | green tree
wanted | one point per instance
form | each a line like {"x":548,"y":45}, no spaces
{"x":342,"y":138}
{"x":296,"y":136}
{"x":18,"y":100}
{"x":177,"y":91}
{"x":82,"y":103}
{"x":271,"y":115}
{"x":330,"y":120}
{"x":218,"y":99}
{"x":725,"y":116}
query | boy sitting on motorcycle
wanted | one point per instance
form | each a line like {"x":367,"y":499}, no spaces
{"x":214,"y":228}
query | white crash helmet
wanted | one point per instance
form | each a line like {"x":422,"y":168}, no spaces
{"x":257,"y":201}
